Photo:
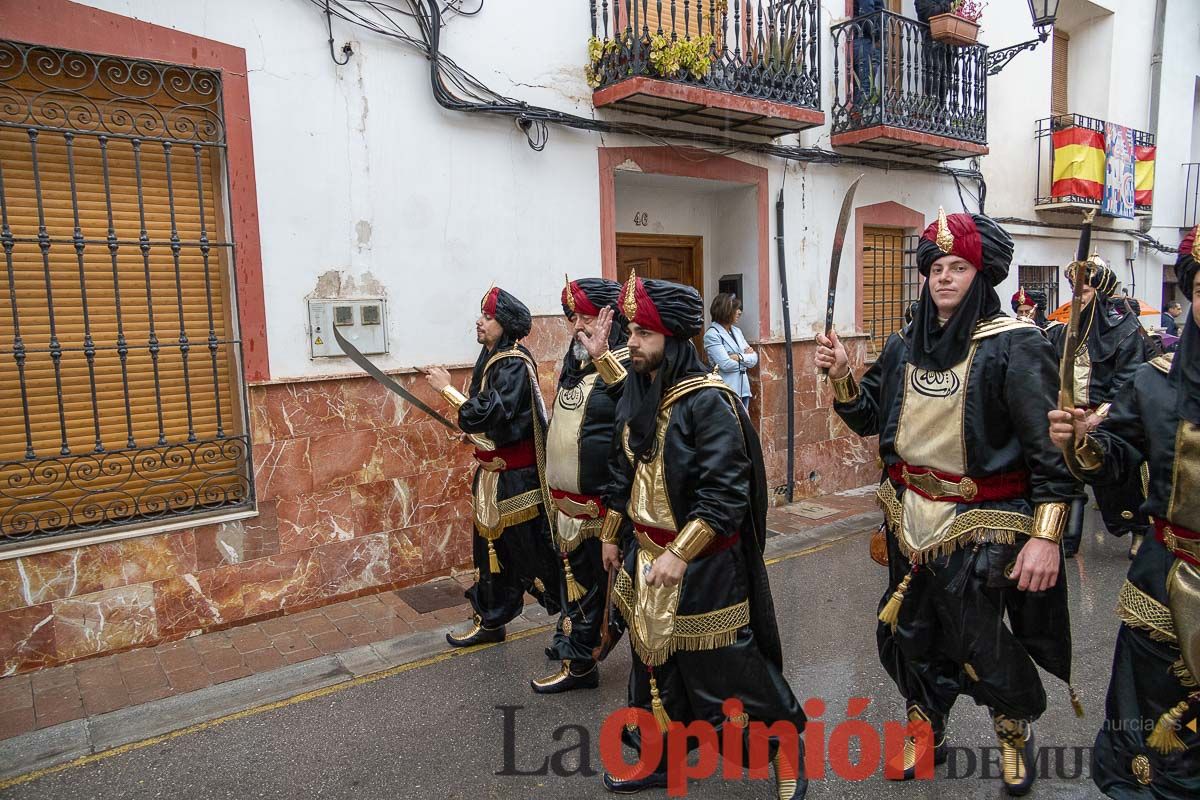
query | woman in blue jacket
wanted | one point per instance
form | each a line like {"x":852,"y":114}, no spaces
{"x":726,"y":346}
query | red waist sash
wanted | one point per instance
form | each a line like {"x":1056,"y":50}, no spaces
{"x":1183,"y":542}
{"x":515,"y":456}
{"x":943,"y":486}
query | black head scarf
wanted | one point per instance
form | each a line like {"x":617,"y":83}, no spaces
{"x":1106,"y":321}
{"x":1185,"y":368}
{"x":588,"y":296}
{"x":677,"y":312}
{"x":514,"y":318}
{"x":1031,"y":297}
{"x":986,"y":246}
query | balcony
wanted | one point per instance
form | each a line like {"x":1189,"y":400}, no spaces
{"x":1071,"y":156}
{"x":898,"y":91}
{"x":735,"y":65}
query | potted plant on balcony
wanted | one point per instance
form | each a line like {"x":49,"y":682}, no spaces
{"x":960,"y":25}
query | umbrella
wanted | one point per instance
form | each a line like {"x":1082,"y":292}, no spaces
{"x":1063,"y":312}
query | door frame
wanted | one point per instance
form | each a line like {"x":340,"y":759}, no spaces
{"x":696,"y":243}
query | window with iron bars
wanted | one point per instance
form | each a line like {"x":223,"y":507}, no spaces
{"x":1040,"y":278}
{"x":121,"y":401}
{"x":891,"y":283}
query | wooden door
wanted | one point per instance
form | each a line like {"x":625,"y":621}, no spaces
{"x":679,"y":259}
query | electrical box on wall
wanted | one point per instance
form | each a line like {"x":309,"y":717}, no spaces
{"x":362,"y":322}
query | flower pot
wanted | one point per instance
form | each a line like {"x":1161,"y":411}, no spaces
{"x":949,"y":29}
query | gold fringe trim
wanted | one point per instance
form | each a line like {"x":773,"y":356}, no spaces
{"x":1163,"y":738}
{"x":1139,"y":610}
{"x":1186,"y":679}
{"x":890,"y":615}
{"x":574,"y":590}
{"x":656,"y":706}
{"x":708,"y":631}
{"x":977,"y":526}
{"x":1076,"y":703}
{"x":590,"y":529}
{"x":513,"y":511}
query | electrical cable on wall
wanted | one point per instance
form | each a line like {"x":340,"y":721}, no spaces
{"x":458,"y":90}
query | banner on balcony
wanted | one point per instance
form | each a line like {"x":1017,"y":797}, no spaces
{"x":1119,"y":171}
{"x":1078,"y":165}
{"x":1144,"y":177}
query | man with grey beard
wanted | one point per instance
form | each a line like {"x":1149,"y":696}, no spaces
{"x":577,"y":448}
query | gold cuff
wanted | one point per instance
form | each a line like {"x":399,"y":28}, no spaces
{"x":1049,"y":520}
{"x":454,"y":397}
{"x":1088,"y":455}
{"x":845,"y":389}
{"x":611,"y":370}
{"x":611,"y":527}
{"x":692,"y":540}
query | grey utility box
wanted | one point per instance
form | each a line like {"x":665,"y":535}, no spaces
{"x":361,"y":322}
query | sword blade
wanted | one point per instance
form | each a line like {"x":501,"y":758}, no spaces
{"x":389,"y":383}
{"x":839,"y":241}
{"x":1066,"y":368}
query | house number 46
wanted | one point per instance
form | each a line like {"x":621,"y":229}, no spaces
{"x":641,"y":219}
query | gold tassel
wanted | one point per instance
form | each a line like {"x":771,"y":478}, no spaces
{"x":1076,"y":703}
{"x":574,"y":590}
{"x":656,"y":706}
{"x":1164,"y":739}
{"x":493,"y":559}
{"x":891,"y":612}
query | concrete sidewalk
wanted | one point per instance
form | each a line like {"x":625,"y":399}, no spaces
{"x":68,"y":712}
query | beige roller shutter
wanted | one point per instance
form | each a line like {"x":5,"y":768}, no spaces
{"x":1058,"y":78}
{"x":117,"y":437}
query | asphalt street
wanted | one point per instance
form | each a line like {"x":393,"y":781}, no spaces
{"x":437,"y":731}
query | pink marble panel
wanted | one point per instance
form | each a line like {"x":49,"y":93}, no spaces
{"x":313,"y":519}
{"x":102,"y":621}
{"x":240,"y":540}
{"x":283,"y":469}
{"x":195,"y":601}
{"x":406,"y":559}
{"x":344,"y":567}
{"x":274,"y":583}
{"x":27,"y":639}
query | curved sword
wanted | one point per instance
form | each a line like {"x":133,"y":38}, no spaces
{"x":390,"y":383}
{"x":839,"y":241}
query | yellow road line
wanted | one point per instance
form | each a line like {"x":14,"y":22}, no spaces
{"x":326,"y":690}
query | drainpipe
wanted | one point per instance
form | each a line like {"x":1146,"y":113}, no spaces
{"x":1156,"y":58}
{"x":787,"y":351}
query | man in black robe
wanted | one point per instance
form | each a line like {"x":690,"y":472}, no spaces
{"x":1148,"y":746}
{"x":975,"y":498}
{"x":687,"y":471}
{"x":1110,"y":351}
{"x":503,"y":417}
{"x":577,"y":447}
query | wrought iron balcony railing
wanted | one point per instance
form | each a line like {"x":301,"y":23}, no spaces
{"x":762,"y":50}
{"x":1071,"y":158}
{"x":888,"y":70}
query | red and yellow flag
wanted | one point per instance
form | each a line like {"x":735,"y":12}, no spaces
{"x":1078,"y":164}
{"x":1143,"y":171}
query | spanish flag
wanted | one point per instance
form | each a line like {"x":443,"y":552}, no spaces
{"x":1143,"y":176}
{"x":1078,"y":164}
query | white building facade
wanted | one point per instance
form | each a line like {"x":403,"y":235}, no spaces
{"x":283,"y":176}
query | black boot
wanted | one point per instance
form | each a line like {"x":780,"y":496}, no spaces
{"x":476,"y":634}
{"x":579,"y":675}
{"x":790,"y":782}
{"x":655,"y":780}
{"x":1017,"y":754}
{"x":911,"y":755}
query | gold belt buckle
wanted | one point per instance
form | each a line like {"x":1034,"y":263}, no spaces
{"x":937,"y":488}
{"x":573,"y":508}
{"x":927,"y":482}
{"x":495,"y":465}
